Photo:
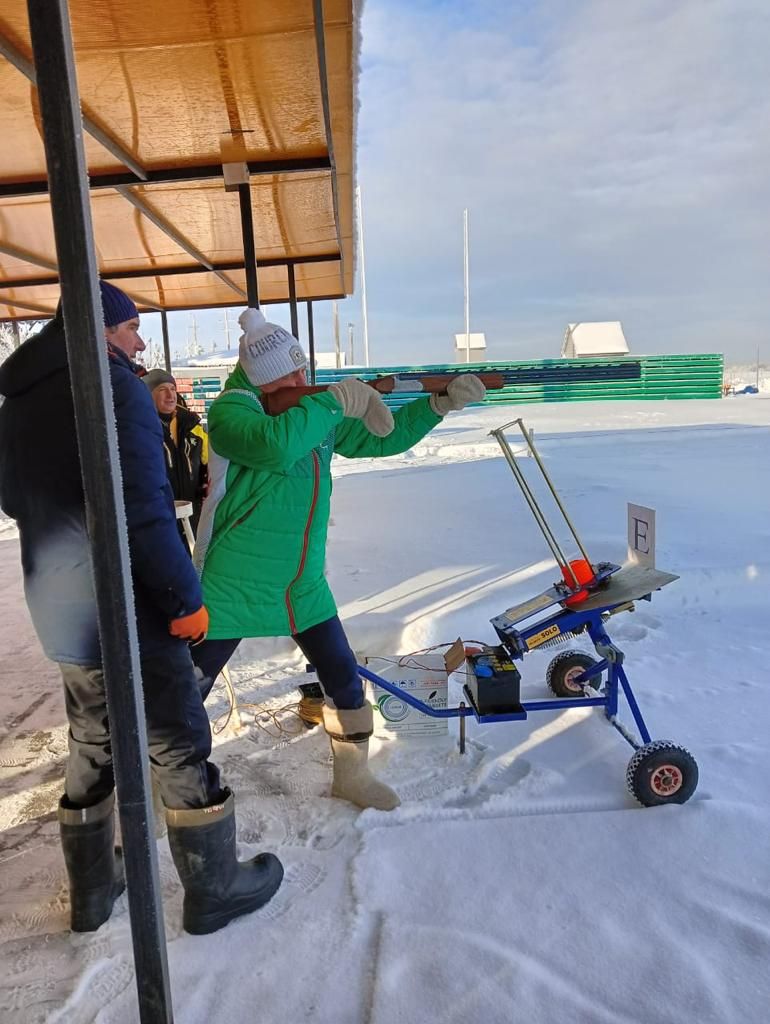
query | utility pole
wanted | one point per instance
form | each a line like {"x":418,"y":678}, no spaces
{"x":467,"y":289}
{"x":363,"y":273}
{"x":350,"y":345}
{"x":227,"y":329}
{"x":336,"y":332}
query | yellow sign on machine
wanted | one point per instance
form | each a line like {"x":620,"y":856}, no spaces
{"x":543,"y":636}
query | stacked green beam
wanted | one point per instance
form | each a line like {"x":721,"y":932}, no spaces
{"x":659,"y":377}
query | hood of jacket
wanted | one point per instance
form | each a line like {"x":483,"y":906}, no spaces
{"x":40,"y":356}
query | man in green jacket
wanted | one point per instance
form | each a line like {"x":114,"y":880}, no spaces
{"x":261,"y":543}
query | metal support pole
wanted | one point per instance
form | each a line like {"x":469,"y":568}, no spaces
{"x":249,"y":248}
{"x":311,"y":340}
{"x":166,"y":346}
{"x":97,"y":442}
{"x":629,"y":694}
{"x":293,"y":300}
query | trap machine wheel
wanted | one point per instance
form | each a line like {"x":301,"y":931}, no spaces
{"x":565,"y":669}
{"x":662,"y":772}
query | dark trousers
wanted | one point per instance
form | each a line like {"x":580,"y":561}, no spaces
{"x":326,"y":648}
{"x":178,"y":733}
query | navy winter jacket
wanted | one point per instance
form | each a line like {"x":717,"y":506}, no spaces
{"x":41,"y":488}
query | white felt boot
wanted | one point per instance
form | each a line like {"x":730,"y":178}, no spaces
{"x":349,"y":733}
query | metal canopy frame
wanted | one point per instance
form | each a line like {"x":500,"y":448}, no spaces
{"x":173,"y":271}
{"x":170,"y":175}
{"x":136,"y":174}
{"x":141,"y":204}
{"x":320,"y":40}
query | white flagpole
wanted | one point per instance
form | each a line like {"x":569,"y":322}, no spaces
{"x":336,"y":332}
{"x":363,"y":273}
{"x":467,"y":290}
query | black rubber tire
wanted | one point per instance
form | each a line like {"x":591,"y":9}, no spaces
{"x":562,"y":666}
{"x":662,"y":773}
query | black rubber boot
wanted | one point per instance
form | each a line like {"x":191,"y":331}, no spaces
{"x":217,"y":887}
{"x":94,"y":866}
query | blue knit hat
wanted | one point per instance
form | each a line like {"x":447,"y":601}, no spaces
{"x":116,"y":305}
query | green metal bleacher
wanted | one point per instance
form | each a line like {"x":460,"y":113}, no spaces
{"x":574,"y":380}
{"x":543,"y":380}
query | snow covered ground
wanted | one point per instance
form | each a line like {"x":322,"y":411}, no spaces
{"x":519,"y":882}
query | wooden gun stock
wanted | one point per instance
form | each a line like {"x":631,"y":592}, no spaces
{"x":430,"y":384}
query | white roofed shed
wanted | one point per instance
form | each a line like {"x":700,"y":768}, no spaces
{"x":588,"y":340}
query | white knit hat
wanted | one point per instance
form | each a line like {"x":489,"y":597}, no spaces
{"x":267,"y":351}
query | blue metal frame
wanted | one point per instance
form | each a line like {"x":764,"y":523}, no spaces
{"x":567,"y":621}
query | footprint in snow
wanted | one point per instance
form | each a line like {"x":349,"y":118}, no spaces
{"x":630,"y":631}
{"x":647,"y":619}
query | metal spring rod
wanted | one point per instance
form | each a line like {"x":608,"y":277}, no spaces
{"x":552,"y":489}
{"x":529,"y":497}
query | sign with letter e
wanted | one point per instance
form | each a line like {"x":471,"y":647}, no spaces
{"x":641,"y":535}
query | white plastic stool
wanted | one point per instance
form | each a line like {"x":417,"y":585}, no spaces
{"x":184,"y":511}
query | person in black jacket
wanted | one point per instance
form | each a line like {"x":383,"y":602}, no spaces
{"x":41,"y":488}
{"x":185,"y":443}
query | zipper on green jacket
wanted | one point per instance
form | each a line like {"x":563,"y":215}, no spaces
{"x":305,"y":542}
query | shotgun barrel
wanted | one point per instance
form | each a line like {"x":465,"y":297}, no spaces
{"x":430,"y":384}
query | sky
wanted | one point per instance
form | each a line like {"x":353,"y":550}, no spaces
{"x":613,"y":159}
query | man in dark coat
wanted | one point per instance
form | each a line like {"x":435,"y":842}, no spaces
{"x":185,"y":444}
{"x":41,"y":488}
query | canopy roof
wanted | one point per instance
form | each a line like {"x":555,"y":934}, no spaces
{"x":165,"y":84}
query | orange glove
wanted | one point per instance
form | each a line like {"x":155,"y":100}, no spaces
{"x":192,"y":628}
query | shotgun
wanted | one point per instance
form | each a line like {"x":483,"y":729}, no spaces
{"x":430,"y":384}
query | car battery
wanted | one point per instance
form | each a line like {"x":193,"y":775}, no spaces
{"x":494,"y":682}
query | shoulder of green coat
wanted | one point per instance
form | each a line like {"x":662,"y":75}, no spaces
{"x":239,"y":381}
{"x":233,"y":397}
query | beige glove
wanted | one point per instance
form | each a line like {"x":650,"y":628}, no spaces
{"x":359,"y":401}
{"x":464,"y":390}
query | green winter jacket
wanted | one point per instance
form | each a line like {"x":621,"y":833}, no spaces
{"x":261,"y":542}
